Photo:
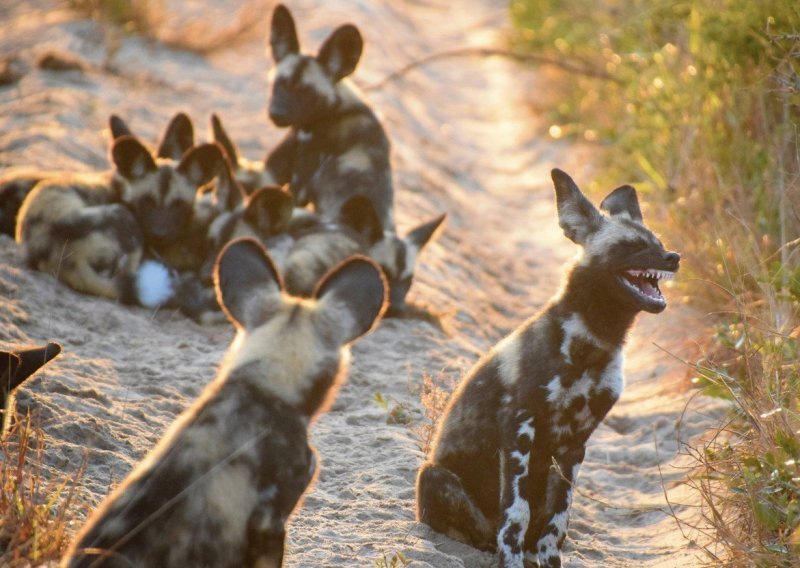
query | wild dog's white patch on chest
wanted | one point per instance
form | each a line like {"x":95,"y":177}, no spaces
{"x":573,"y":327}
{"x":304,"y":136}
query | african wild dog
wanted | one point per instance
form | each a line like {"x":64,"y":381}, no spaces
{"x":319,"y":245}
{"x":539,"y":394}
{"x":336,"y":149}
{"x":15,"y":367}
{"x":218,"y":489}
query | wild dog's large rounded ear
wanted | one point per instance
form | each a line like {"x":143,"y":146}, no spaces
{"x":33,"y":359}
{"x":178,"y":137}
{"x":247,"y":283}
{"x":359,"y":214}
{"x":9,"y":363}
{"x":202,"y":163}
{"x":577,"y":217}
{"x":623,"y":201}
{"x":358,"y":289}
{"x":340,"y":53}
{"x":131,"y":158}
{"x":283,"y":34}
{"x":422,"y":234}
{"x":221,"y":137}
{"x":269,"y":210}
{"x":118,"y":127}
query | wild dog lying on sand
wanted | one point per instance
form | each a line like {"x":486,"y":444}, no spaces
{"x":539,"y":394}
{"x":319,"y":245}
{"x":15,"y":367}
{"x":336,"y":149}
{"x":218,"y":489}
{"x":90,"y":230}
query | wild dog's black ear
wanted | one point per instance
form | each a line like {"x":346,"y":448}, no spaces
{"x":9,"y":363}
{"x":577,"y":217}
{"x":131,"y":158}
{"x":228,"y":192}
{"x":623,"y":201}
{"x":31,"y":360}
{"x":422,"y":234}
{"x":118,"y":127}
{"x":359,"y":214}
{"x":340,"y":53}
{"x":178,"y":137}
{"x":247,"y":283}
{"x":283,"y":34}
{"x":221,"y":137}
{"x":358,"y":286}
{"x":202,"y":163}
{"x":269,"y":210}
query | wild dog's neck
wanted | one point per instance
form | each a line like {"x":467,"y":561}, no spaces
{"x":602,"y":313}
{"x":308,"y":395}
{"x":348,"y":102}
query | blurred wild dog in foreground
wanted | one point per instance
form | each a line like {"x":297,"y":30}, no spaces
{"x":336,"y":149}
{"x":535,"y":399}
{"x":219,"y":488}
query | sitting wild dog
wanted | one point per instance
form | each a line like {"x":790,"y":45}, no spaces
{"x":91,"y":230}
{"x":15,"y":367}
{"x":250,"y":174}
{"x":539,"y":394}
{"x":219,"y":488}
{"x":336,"y":149}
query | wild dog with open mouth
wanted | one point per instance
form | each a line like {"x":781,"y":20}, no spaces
{"x":336,"y":149}
{"x":15,"y":367}
{"x":539,"y":394}
{"x":91,"y":230}
{"x":219,"y":488}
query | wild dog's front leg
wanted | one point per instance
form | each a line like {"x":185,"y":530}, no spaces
{"x":517,"y":435}
{"x":558,"y":503}
{"x":265,"y":538}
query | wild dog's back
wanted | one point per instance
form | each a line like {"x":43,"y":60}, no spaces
{"x":219,"y":487}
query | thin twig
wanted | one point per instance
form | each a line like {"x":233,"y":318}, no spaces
{"x":517,"y":56}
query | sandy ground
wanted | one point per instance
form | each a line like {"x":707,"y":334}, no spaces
{"x":464,"y":141}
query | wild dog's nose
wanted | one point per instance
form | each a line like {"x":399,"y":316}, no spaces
{"x":672,"y":258}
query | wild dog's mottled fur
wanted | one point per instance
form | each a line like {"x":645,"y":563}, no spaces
{"x":218,"y":489}
{"x":540,"y":393}
{"x":14,"y":188}
{"x":15,"y":367}
{"x":336,"y":152}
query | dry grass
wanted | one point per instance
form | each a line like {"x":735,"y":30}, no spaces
{"x":35,"y":511}
{"x":434,"y":394}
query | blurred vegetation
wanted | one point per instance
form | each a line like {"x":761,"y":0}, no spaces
{"x":701,"y":110}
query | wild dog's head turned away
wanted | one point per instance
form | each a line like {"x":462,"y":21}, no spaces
{"x":396,"y":255}
{"x":161,"y":190}
{"x":621,"y":256}
{"x":295,"y":343}
{"x":304,"y":87}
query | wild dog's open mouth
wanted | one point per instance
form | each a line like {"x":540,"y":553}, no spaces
{"x":645,"y":284}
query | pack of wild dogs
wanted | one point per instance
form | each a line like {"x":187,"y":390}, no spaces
{"x":300,"y":252}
